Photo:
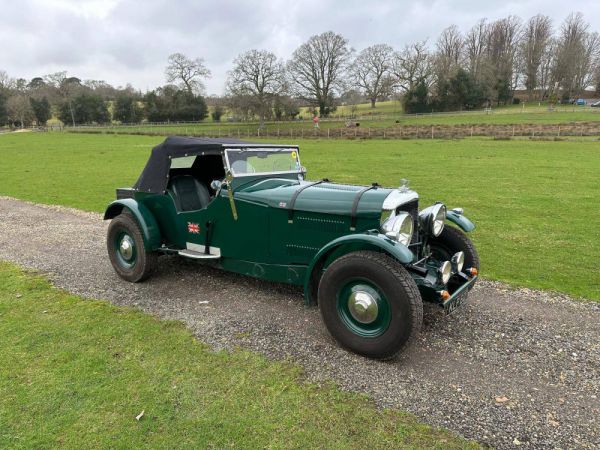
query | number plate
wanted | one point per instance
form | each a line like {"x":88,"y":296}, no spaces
{"x":457,"y":301}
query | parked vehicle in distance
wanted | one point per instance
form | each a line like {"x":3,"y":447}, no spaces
{"x":365,"y":254}
{"x":595,"y":104}
{"x":581,"y":102}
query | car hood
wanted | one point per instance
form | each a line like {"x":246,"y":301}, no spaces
{"x":325,"y":197}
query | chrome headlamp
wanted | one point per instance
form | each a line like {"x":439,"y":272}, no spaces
{"x":433,"y":219}
{"x":399,"y":227}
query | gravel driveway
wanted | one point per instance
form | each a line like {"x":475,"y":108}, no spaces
{"x":512,"y":368}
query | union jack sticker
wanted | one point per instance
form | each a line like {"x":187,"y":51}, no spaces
{"x":193,"y":228}
{"x":282,"y":204}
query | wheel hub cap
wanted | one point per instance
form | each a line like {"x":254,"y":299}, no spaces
{"x":126,"y":248}
{"x":363,"y":306}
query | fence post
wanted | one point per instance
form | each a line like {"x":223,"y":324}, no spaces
{"x":471,"y":130}
{"x":384,"y":132}
{"x":301,"y":132}
{"x":327,"y":133}
{"x":559,"y":131}
{"x":431,"y":131}
{"x":513,"y":133}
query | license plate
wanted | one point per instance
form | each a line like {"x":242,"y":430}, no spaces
{"x":457,"y":302}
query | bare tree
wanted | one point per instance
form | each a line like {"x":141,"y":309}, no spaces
{"x":188,"y":72}
{"x":259,"y":76}
{"x":412,"y":65}
{"x":475,"y":44}
{"x":66,"y":87}
{"x":19,"y":109}
{"x":576,"y":55}
{"x":318,"y":67}
{"x":450,"y":47}
{"x":6,"y":82}
{"x":501,"y":56}
{"x":449,"y":56}
{"x":545,"y":75}
{"x":371,"y":71}
{"x":536,"y":40}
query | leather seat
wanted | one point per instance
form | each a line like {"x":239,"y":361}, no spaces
{"x":188,"y":193}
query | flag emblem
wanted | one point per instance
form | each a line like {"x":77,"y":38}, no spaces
{"x":193,"y":228}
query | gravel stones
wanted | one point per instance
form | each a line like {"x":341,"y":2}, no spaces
{"x":512,"y":368}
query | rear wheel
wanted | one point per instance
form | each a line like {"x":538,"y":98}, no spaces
{"x":451,"y":241}
{"x":370,"y":304}
{"x":125,"y":245}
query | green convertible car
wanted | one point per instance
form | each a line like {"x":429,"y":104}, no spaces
{"x":365,"y":254}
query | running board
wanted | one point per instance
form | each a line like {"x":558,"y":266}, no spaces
{"x":195,"y":251}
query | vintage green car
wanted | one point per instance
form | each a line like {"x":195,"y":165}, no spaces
{"x":365,"y":254}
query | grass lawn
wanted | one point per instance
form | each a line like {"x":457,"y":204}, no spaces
{"x":75,"y":373}
{"x":535,"y":203}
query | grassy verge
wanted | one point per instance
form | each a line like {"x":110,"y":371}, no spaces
{"x":76,"y":373}
{"x":534,"y":202}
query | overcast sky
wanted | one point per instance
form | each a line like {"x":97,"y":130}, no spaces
{"x":123,"y":41}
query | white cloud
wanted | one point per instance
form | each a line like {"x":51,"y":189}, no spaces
{"x":123,"y":41}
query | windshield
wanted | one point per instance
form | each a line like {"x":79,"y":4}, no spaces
{"x":247,"y":161}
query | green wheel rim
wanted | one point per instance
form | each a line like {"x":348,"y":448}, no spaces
{"x":125,"y":250}
{"x":363,"y":308}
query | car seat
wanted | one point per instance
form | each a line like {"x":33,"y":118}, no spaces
{"x":188,"y":193}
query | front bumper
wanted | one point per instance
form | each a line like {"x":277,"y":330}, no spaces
{"x":459,"y":295}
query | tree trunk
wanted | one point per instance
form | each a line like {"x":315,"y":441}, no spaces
{"x":373,"y":100}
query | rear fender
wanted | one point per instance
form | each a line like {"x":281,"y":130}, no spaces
{"x":143,"y":216}
{"x":354,"y":242}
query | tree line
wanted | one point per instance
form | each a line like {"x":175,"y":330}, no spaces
{"x":482,"y":66}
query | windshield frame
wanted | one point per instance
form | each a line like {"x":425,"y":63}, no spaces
{"x":263,"y":148}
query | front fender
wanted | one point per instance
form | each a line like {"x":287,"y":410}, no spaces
{"x":144,"y":217}
{"x":460,"y":220}
{"x":372,"y":240}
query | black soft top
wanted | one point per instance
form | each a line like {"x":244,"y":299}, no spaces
{"x":154,"y":177}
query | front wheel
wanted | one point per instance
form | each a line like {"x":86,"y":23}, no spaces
{"x":125,"y":245}
{"x":370,"y":304}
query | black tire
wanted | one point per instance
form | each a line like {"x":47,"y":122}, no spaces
{"x":142,"y":263}
{"x":401,"y":298}
{"x":453,"y":240}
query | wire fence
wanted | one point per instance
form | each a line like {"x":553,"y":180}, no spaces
{"x":568,"y":130}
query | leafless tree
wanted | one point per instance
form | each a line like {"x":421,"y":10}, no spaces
{"x":189,"y":73}
{"x":449,"y":55}
{"x":475,"y":45}
{"x":412,"y":65}
{"x":66,"y":87}
{"x":450,"y":47}
{"x":371,"y":71}
{"x":545,"y":75}
{"x":6,"y":82}
{"x":537,"y":35}
{"x":259,"y":76}
{"x":576,"y":55}
{"x":19,"y":109}
{"x":502,"y":46}
{"x":318,"y":67}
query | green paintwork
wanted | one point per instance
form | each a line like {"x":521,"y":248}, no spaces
{"x":263,"y":242}
{"x":460,"y":220}
{"x":146,"y":220}
{"x":384,"y":315}
{"x":355,"y":242}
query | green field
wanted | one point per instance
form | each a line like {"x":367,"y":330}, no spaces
{"x":75,"y":373}
{"x":534,"y":203}
{"x":386,"y":115}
